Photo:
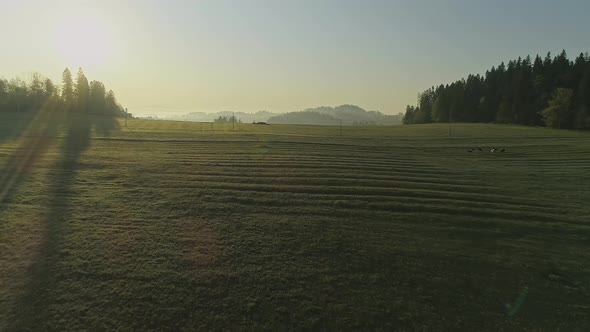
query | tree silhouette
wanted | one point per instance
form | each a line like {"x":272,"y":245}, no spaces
{"x":97,"y":97}
{"x":37,"y":93}
{"x":67,"y":92}
{"x":82,"y":92}
{"x":516,"y":92}
{"x":112,"y":107}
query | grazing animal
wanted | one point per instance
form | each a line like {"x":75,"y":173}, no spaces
{"x":503,"y":150}
{"x":478,"y":149}
{"x":493,"y":150}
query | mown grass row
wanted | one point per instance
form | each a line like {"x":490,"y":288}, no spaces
{"x":168,"y":228}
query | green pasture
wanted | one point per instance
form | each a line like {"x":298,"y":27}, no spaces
{"x":162,"y":225}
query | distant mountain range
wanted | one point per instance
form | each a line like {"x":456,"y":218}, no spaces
{"x":349,"y":114}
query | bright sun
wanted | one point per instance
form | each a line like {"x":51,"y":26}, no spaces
{"x":84,"y":41}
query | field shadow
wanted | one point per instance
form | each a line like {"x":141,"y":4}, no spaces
{"x":13,"y":124}
{"x":30,"y":310}
{"x":37,"y":133}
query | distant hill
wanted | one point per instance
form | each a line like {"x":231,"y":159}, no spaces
{"x":349,"y":114}
{"x":210,"y":117}
{"x":305,"y":118}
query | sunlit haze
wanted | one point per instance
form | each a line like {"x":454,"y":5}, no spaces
{"x":170,"y":57}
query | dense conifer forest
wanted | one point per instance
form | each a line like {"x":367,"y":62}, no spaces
{"x":549,"y":91}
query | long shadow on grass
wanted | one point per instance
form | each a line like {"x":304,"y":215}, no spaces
{"x":14,"y":124}
{"x":31,"y":309}
{"x":40,"y":133}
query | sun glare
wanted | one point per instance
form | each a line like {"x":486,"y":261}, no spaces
{"x":84,"y":41}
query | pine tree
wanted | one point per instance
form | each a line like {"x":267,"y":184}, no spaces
{"x":111,"y":105}
{"x":472,"y":97}
{"x":97,"y":98}
{"x":457,"y":102}
{"x":82,"y":92}
{"x":67,"y":92}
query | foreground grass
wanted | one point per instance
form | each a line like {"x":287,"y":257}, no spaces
{"x":172,"y":225}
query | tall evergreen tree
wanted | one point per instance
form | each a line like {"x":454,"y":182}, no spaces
{"x":97,"y":98}
{"x":112,"y":107}
{"x":50,"y":88}
{"x":456,"y":106}
{"x":472,"y":97}
{"x":440,"y":107}
{"x":67,"y":90}
{"x":82,"y":92}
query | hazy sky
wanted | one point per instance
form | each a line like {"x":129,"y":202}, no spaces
{"x":164,"y":57}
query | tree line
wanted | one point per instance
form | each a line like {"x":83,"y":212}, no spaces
{"x":225,"y":119}
{"x":79,"y":95}
{"x":549,"y":91}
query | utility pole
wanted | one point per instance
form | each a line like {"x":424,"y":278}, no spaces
{"x":126,"y":116}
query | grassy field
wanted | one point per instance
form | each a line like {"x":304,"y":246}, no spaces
{"x":165,"y":225}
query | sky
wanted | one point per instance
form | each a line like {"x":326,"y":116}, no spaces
{"x":165,"y":57}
